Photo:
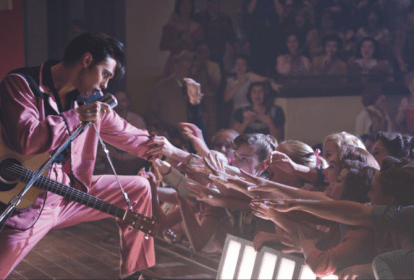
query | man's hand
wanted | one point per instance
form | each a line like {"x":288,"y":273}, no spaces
{"x":91,"y":112}
{"x":193,"y":91}
{"x":159,"y":146}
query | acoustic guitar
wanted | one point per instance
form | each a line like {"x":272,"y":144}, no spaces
{"x":16,"y":172}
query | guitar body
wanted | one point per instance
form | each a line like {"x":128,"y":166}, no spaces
{"x":11,"y":186}
{"x":17,"y":170}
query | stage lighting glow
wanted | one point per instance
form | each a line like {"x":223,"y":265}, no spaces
{"x":267,"y":266}
{"x":306,"y":273}
{"x":247,"y":263}
{"x":286,"y":269}
{"x":230,"y":260}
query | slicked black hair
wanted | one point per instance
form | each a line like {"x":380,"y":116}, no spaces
{"x":100,"y":46}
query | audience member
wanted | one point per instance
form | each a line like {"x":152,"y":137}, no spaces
{"x":404,"y":120}
{"x":368,"y":141}
{"x":208,"y":74}
{"x":237,"y":87}
{"x":367,"y":63}
{"x":391,"y":189}
{"x":261,"y":116}
{"x":373,"y":29}
{"x":404,"y":43}
{"x":374,"y":116}
{"x":181,"y":33}
{"x":264,"y":31}
{"x":171,"y":100}
{"x":315,"y":38}
{"x":329,"y":63}
{"x":300,"y":27}
{"x":340,"y":10}
{"x":293,"y":63}
{"x":393,"y":144}
{"x":218,"y":30}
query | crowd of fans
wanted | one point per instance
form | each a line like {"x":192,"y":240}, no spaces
{"x":348,"y":208}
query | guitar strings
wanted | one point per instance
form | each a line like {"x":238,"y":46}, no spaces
{"x":24,"y":175}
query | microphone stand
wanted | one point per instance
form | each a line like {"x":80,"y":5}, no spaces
{"x":16,"y":200}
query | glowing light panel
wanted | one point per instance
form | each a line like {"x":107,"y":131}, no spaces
{"x":306,"y":273}
{"x":267,"y":266}
{"x":247,"y":263}
{"x":286,"y":269}
{"x":230,"y":260}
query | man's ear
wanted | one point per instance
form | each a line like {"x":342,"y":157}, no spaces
{"x":87,"y":60}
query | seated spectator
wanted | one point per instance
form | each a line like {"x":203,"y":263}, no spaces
{"x":329,"y":63}
{"x":261,"y":116}
{"x":181,"y":33}
{"x":293,"y":63}
{"x":393,"y":144}
{"x":207,"y":73}
{"x":237,"y":87}
{"x":374,"y":30}
{"x":374,"y":117}
{"x":301,"y":26}
{"x":404,"y":120}
{"x":315,"y":38}
{"x":367,"y":63}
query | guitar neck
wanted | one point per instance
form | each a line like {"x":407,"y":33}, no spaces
{"x":70,"y":193}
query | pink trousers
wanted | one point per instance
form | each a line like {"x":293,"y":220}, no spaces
{"x":136,"y":252}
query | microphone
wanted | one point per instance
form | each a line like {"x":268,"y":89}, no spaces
{"x":109,"y":99}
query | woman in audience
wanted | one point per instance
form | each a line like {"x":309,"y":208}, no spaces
{"x":293,"y":63}
{"x":373,"y":29}
{"x":391,"y":189}
{"x":374,"y":116}
{"x":329,"y":63}
{"x":315,"y":37}
{"x":405,"y":116}
{"x":367,"y":63}
{"x":393,"y":144}
{"x":261,"y":116}
{"x":339,"y":247}
{"x":332,"y":145}
{"x":237,"y":87}
{"x":181,"y":33}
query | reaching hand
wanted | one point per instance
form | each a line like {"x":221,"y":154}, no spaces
{"x":193,"y":91}
{"x":192,"y":129}
{"x":91,"y":112}
{"x":214,"y":164}
{"x":159,"y":146}
{"x":195,"y":135}
{"x":263,"y":237}
{"x":282,"y":161}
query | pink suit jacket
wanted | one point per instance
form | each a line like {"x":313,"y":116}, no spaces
{"x":30,"y":132}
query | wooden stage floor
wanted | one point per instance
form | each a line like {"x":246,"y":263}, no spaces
{"x":90,"y":251}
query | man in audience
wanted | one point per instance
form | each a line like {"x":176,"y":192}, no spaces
{"x":218,"y":30}
{"x":170,"y":102}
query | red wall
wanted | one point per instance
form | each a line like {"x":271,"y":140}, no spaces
{"x":11,"y":38}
